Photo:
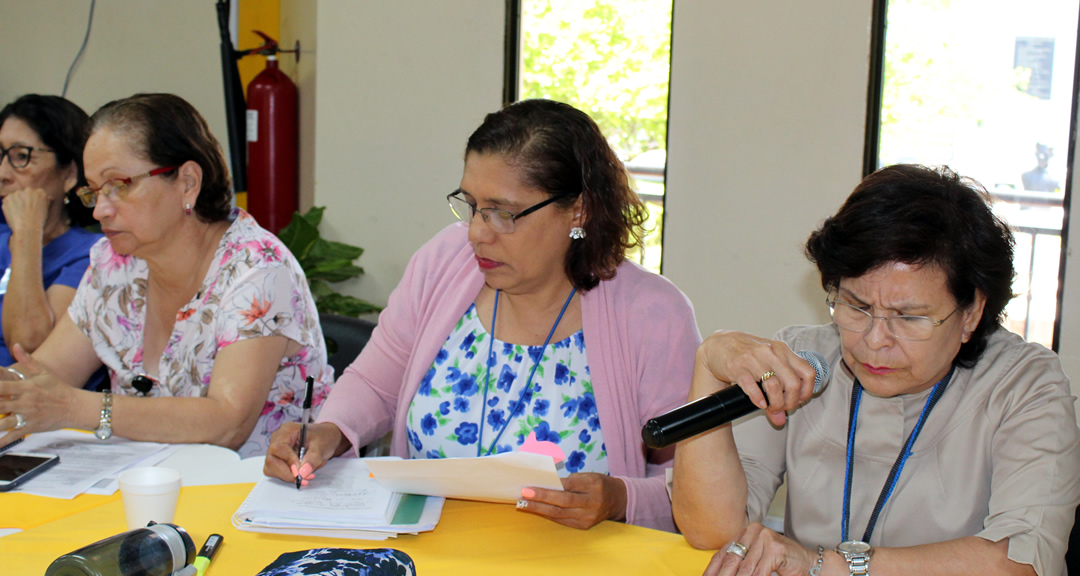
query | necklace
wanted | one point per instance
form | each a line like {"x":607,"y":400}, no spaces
{"x":901,"y":459}
{"x":519,"y":408}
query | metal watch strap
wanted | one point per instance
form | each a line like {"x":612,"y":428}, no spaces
{"x":858,"y":564}
{"x":104,"y":429}
{"x":857,"y":554}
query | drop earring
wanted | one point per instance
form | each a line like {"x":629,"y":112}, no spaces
{"x":577,"y":232}
{"x":187,"y":209}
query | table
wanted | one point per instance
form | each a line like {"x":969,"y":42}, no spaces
{"x":472,"y":538}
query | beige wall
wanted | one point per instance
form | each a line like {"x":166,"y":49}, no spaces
{"x":400,"y":87}
{"x":135,"y":46}
{"x":766,"y":134}
{"x":298,"y":23}
{"x":765,"y":140}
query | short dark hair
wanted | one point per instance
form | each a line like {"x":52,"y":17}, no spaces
{"x":168,"y":132}
{"x":559,"y":149}
{"x":923,"y":216}
{"x":63,"y":127}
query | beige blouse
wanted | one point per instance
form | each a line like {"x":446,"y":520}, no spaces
{"x":998,"y":457}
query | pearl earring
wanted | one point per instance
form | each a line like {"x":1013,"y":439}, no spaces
{"x":187,"y":209}
{"x":577,"y":232}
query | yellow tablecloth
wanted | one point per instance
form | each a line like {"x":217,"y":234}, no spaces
{"x":472,"y":538}
{"x":24,"y":511}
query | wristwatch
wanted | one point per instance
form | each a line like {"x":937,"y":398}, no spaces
{"x":857,"y":555}
{"x":104,"y":429}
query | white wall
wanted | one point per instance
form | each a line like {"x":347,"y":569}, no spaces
{"x":134,"y":46}
{"x":400,"y":87}
{"x":767,"y":115}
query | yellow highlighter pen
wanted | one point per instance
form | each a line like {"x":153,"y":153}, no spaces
{"x":207,"y":553}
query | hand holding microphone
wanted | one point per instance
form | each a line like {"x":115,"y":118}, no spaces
{"x":731,"y":357}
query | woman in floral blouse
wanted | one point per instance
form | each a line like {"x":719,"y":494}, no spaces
{"x":203,"y":319}
{"x":526,"y":319}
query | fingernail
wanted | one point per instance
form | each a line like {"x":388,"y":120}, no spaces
{"x":527,"y":493}
{"x":522,"y":503}
{"x":292,"y":468}
{"x":305,"y":470}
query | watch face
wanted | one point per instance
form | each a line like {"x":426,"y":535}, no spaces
{"x":853,"y":547}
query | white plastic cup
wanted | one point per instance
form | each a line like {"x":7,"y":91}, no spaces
{"x":149,"y":494}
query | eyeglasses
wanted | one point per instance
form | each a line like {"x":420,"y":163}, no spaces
{"x":19,"y":156}
{"x":903,"y":326}
{"x":116,"y":187}
{"x":500,"y":221}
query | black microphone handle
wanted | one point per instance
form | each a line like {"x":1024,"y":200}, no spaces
{"x":698,"y":416}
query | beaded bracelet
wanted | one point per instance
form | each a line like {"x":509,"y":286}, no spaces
{"x":816,"y":569}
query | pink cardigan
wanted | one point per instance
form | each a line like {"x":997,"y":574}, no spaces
{"x":640,"y":335}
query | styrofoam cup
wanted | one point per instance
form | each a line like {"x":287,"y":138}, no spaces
{"x":149,"y":494}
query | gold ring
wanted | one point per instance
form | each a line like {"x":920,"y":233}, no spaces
{"x":767,"y":375}
{"x":737,"y":549}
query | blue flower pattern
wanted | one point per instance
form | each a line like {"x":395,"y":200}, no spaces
{"x":444,"y":418}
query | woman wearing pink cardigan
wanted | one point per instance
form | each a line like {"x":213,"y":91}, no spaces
{"x":525,"y":319}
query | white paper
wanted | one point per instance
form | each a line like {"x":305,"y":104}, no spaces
{"x":498,"y":478}
{"x":206,"y":464}
{"x":85,"y":462}
{"x":342,"y":494}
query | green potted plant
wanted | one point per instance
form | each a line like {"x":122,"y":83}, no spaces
{"x":325,"y":261}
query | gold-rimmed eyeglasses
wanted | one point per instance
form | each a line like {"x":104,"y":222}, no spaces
{"x":116,"y":187}
{"x":904,"y":326}
{"x":500,"y":221}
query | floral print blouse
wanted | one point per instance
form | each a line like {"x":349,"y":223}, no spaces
{"x":254,"y":287}
{"x":451,"y":416}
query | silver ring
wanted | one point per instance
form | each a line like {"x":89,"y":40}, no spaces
{"x":20,"y":422}
{"x":737,"y":549}
{"x":767,"y":375}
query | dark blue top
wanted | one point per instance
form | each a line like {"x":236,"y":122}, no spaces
{"x":63,"y":261}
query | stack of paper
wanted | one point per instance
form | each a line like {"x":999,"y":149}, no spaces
{"x":86,"y":464}
{"x":342,"y":502}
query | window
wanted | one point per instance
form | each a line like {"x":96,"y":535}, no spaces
{"x":986,"y":87}
{"x":610,"y":59}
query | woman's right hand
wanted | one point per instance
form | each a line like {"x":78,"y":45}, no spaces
{"x":282,"y":460}
{"x":742,"y":359}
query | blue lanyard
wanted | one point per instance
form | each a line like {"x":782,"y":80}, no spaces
{"x":519,"y":408}
{"x":901,"y":459}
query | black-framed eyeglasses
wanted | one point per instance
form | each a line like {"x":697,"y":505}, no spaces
{"x":116,"y":187}
{"x":903,"y":326}
{"x":500,"y":221}
{"x":19,"y":156}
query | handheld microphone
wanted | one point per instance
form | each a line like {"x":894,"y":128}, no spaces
{"x":716,"y":409}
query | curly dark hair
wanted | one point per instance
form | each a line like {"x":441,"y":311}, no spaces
{"x":63,"y":127}
{"x":559,"y":149}
{"x":168,"y":131}
{"x":923,"y":216}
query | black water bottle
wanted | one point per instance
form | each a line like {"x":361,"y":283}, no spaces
{"x":157,"y":550}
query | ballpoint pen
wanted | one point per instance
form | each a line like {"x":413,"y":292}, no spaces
{"x":207,"y":553}
{"x":302,"y":449}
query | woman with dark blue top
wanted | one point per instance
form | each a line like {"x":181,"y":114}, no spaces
{"x":44,"y":251}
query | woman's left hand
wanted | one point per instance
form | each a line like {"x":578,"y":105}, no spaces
{"x":586,"y":500}
{"x":26,"y":210}
{"x":766,"y":552}
{"x":42,"y":400}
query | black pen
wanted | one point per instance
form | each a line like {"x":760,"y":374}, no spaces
{"x":303,"y":428}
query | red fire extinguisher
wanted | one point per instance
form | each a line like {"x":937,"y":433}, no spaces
{"x":273,"y":126}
